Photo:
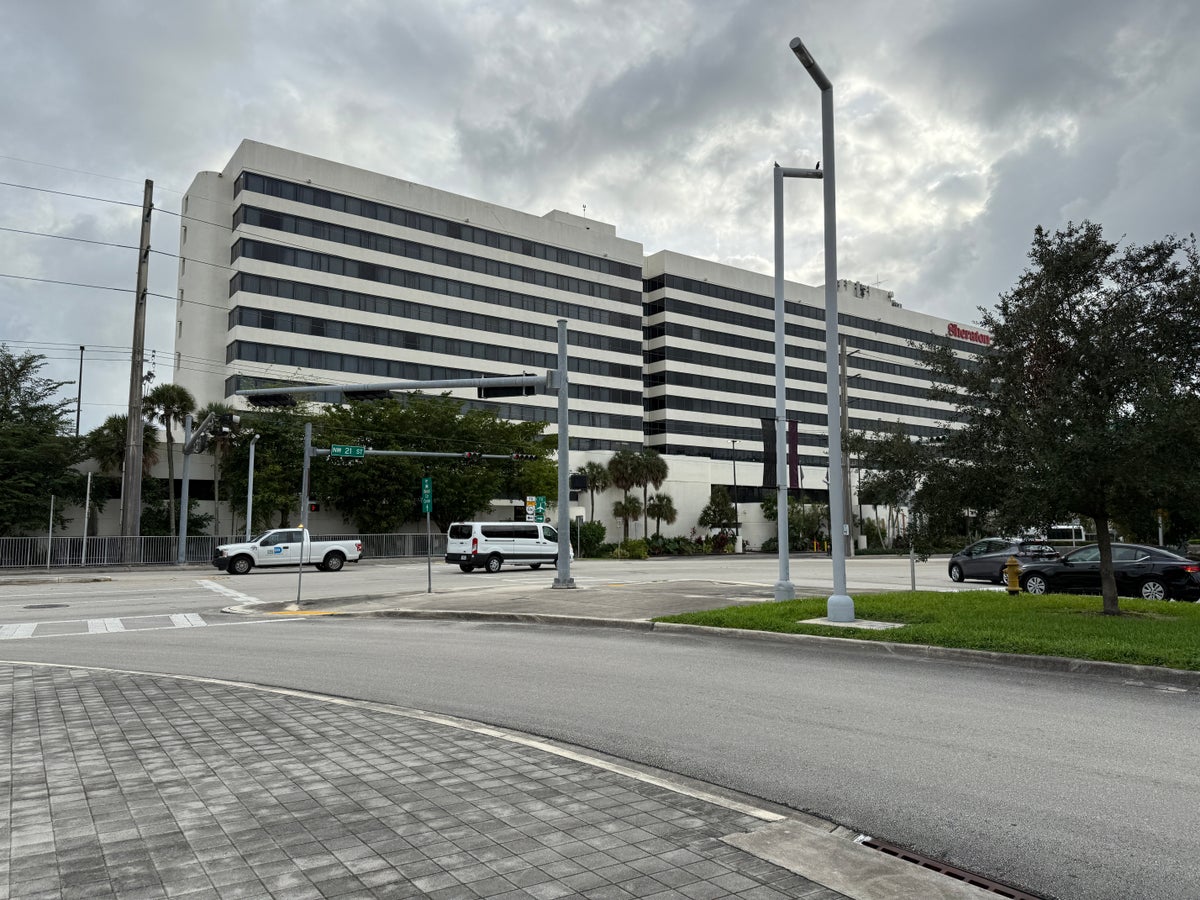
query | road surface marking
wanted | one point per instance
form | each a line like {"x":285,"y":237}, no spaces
{"x":99,"y":626}
{"x":117,"y":626}
{"x":227,"y":592}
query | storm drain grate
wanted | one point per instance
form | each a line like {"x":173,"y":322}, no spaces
{"x":979,"y":881}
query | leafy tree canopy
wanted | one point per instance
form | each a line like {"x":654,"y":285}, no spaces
{"x":1086,"y":401}
{"x":36,"y":446}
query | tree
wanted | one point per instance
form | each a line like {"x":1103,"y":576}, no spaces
{"x":719,"y":513}
{"x":651,"y":469}
{"x":106,"y":445}
{"x":662,"y":508}
{"x":381,"y":494}
{"x":597,"y":480}
{"x":36,"y":445}
{"x":805,"y":521}
{"x":168,"y":404}
{"x":624,"y":469}
{"x":1086,"y":401}
{"x":627,"y":509}
{"x":278,"y":464}
{"x":219,"y":443}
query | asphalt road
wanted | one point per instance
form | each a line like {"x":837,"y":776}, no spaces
{"x":1066,"y":785}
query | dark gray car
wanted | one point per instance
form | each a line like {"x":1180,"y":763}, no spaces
{"x":985,"y":559}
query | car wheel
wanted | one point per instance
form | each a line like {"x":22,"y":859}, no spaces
{"x":334,"y":561}
{"x":1153,"y":589}
{"x":466,"y":567}
{"x":1036,"y":584}
{"x":999,"y":579}
{"x":240,"y":565}
{"x":320,"y":567}
{"x":535,"y":565}
{"x":494,"y":563}
{"x":956,"y":572}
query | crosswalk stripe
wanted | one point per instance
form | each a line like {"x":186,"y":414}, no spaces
{"x":97,"y":626}
{"x":187,"y":620}
{"x":24,"y":630}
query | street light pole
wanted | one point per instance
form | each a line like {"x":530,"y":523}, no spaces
{"x":737,"y":518}
{"x":840,"y":607}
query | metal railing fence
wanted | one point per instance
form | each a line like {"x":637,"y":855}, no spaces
{"x":101,"y":552}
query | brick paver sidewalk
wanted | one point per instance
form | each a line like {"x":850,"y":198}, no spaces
{"x":140,"y":786}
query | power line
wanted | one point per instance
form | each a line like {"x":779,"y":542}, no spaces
{"x":82,"y":172}
{"x":29,"y":187}
{"x":67,"y":237}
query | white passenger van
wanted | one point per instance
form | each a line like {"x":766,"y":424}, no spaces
{"x":489,"y":545}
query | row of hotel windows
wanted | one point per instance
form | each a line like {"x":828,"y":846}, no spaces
{"x":399,"y":370}
{"x":355,"y":206}
{"x":390,"y":337}
{"x":709,"y":407}
{"x":381,"y":243}
{"x":247,"y":248}
{"x":760,"y":323}
{"x":767,"y":389}
{"x":391,"y":306}
{"x":761,"y":301}
{"x":720,"y":435}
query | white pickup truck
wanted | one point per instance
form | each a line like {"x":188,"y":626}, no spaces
{"x":286,"y":547}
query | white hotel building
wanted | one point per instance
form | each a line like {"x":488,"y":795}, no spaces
{"x":298,"y":270}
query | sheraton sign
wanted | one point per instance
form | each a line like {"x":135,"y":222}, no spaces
{"x":963,"y":334}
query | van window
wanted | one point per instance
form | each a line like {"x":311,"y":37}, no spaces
{"x":459,"y":532}
{"x":549,"y":534}
{"x":497,"y":531}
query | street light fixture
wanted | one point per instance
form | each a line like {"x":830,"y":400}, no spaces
{"x":840,"y":607}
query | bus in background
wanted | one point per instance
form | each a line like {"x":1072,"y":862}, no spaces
{"x":1072,"y":534}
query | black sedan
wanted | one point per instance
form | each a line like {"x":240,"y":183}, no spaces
{"x":1141,"y":571}
{"x":986,"y":559}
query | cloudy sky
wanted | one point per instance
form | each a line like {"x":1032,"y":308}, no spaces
{"x":960,"y":127}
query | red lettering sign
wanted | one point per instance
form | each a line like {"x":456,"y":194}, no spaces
{"x":975,"y":337}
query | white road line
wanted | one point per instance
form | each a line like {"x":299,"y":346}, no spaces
{"x":26,"y":630}
{"x":100,"y":626}
{"x":187,"y":620}
{"x":228,"y":592}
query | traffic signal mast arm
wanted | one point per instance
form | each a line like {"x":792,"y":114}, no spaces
{"x":467,"y":455}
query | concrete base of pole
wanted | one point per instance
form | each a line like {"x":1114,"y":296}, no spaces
{"x":785,"y":590}
{"x":840,"y":608}
{"x":559,"y":583}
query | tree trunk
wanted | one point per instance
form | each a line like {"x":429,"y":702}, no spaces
{"x":170,"y":481}
{"x":1108,"y":580}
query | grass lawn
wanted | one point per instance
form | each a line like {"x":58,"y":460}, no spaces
{"x":1150,"y":633}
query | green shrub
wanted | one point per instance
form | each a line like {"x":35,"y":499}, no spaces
{"x":591,"y":536}
{"x":632,"y":549}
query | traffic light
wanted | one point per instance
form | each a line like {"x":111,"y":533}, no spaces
{"x":314,"y":507}
{"x":524,"y":456}
{"x":272,"y":400}
{"x":472,"y":456}
{"x":227,"y":422}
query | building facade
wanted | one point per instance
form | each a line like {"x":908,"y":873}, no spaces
{"x":298,"y":270}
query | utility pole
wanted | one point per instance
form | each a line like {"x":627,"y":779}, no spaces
{"x":79,"y":392}
{"x":131,"y":486}
{"x":843,"y":390}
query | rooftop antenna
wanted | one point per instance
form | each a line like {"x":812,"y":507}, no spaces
{"x":585,"y":210}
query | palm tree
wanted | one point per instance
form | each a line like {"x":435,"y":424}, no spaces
{"x":220,"y":442}
{"x":106,"y":445}
{"x":623,"y":472}
{"x":626,"y":509}
{"x":651,"y":470}
{"x":662,"y":508}
{"x":597,"y":480}
{"x":168,"y":404}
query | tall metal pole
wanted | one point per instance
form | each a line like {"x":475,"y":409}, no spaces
{"x":79,"y":392}
{"x":840,"y":607}
{"x":50,"y":532}
{"x":843,"y":394}
{"x":131,"y":488}
{"x":304,"y":507}
{"x":737,"y":518}
{"x":185,"y":482}
{"x":784,"y":589}
{"x":250,"y":489}
{"x":87,"y":509}
{"x":563,"y":578}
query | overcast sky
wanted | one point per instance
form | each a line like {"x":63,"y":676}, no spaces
{"x":960,"y":127}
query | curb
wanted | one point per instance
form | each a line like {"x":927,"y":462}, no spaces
{"x":1147,"y":675}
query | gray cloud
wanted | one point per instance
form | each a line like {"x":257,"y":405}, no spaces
{"x":960,"y":127}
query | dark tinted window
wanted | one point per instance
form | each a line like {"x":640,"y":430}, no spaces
{"x":459,"y":532}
